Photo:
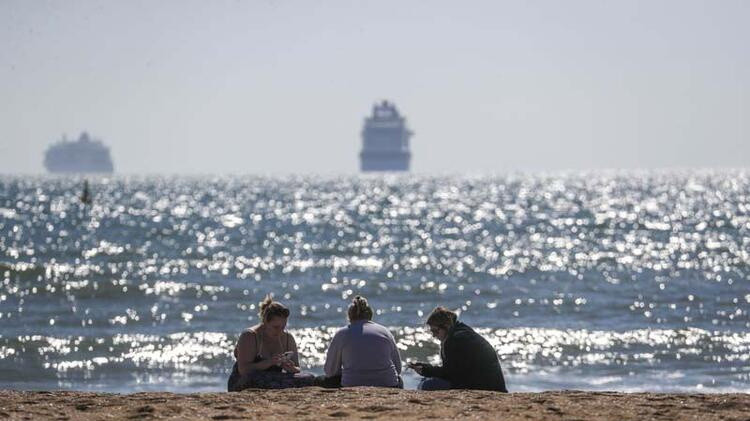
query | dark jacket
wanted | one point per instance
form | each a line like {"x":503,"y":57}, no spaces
{"x":469,"y":361}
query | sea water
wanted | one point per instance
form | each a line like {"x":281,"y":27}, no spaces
{"x":598,"y":281}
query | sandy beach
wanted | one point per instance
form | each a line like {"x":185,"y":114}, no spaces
{"x":372,"y":403}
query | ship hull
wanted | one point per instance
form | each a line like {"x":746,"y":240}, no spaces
{"x":371,"y":161}
{"x":79,"y":168}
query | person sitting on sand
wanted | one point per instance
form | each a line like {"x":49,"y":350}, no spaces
{"x":363,"y":353}
{"x":469,"y":361}
{"x":266,"y":355}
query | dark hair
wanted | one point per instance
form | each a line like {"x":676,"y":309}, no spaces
{"x":270,"y":309}
{"x":359,"y":309}
{"x":442,"y":317}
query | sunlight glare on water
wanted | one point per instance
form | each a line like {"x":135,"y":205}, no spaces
{"x":591,"y":280}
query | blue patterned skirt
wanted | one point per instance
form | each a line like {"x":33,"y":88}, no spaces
{"x":272,"y":378}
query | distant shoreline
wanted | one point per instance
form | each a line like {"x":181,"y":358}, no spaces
{"x":372,"y":403}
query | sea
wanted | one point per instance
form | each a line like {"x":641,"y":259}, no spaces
{"x":625,"y":281}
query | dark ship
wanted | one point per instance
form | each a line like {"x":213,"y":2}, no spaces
{"x":85,"y":155}
{"x":385,"y":140}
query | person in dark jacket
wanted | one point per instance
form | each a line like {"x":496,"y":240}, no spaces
{"x":469,"y":361}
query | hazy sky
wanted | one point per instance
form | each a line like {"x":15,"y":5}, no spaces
{"x":284,"y":86}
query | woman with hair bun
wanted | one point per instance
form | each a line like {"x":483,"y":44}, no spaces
{"x":469,"y":361}
{"x":266,"y":354}
{"x":363,"y":353}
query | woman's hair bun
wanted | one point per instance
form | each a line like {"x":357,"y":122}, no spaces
{"x":270,"y":309}
{"x":265,"y":303}
{"x":359,"y":309}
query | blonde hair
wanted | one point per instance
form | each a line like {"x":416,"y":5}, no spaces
{"x":359,"y":309}
{"x":270,"y":309}
{"x":442,"y":317}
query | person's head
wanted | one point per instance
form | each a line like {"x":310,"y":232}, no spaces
{"x":440,"y":321}
{"x":273,"y":316}
{"x":359,"y":309}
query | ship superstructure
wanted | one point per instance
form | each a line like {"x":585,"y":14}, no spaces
{"x":85,"y":155}
{"x":385,"y":140}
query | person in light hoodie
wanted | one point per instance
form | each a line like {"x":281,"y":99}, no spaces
{"x":363,"y":353}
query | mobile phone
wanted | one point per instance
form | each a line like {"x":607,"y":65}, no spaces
{"x":288,"y":354}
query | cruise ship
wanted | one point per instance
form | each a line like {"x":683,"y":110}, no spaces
{"x":385,"y":140}
{"x":85,"y":155}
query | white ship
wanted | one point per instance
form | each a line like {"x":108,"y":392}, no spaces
{"x":85,"y":155}
{"x":385,"y":140}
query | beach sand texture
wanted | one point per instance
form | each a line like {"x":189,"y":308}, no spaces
{"x":372,"y":403}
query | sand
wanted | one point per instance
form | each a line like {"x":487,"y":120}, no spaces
{"x":372,"y":403}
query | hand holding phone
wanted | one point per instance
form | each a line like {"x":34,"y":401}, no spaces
{"x":287,"y":364}
{"x":285,"y":358}
{"x":416,"y":366}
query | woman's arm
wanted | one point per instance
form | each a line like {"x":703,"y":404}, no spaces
{"x":333,"y":356}
{"x":247,"y":349}
{"x":395,"y":355}
{"x":293,"y":365}
{"x":429,"y":370}
{"x":443,"y":370}
{"x":456,"y":357}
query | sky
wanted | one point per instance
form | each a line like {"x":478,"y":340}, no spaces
{"x":283,"y":87}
